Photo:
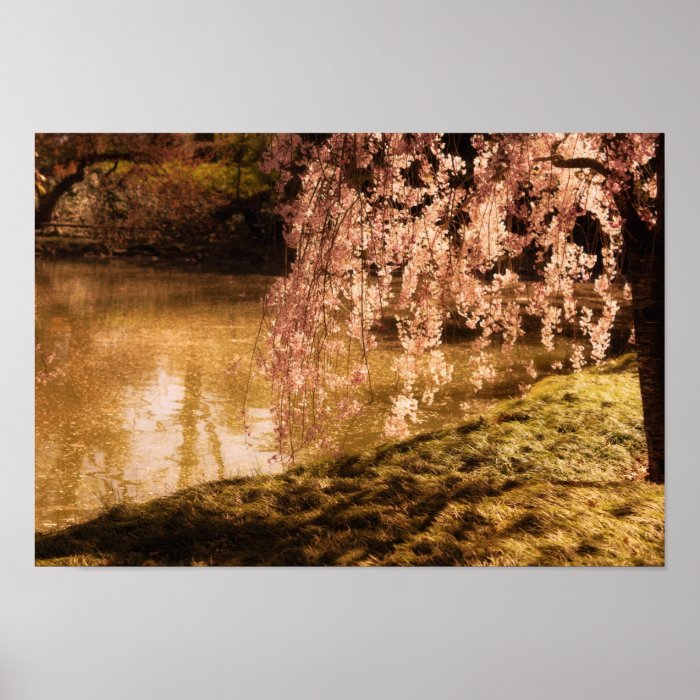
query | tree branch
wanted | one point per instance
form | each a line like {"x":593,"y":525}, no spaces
{"x":113,"y":168}
{"x":559,"y":162}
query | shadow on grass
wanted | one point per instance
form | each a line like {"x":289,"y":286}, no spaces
{"x":395,"y":518}
{"x":261,"y":521}
{"x":507,"y":490}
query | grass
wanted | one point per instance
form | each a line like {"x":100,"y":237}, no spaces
{"x":555,"y":478}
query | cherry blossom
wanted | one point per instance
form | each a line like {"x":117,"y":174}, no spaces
{"x":399,"y":228}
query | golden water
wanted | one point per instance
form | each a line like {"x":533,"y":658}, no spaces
{"x":143,"y":404}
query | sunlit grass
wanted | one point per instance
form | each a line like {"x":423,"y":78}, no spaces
{"x":551,"y":479}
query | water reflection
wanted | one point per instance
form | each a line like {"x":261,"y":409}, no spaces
{"x":144,"y":405}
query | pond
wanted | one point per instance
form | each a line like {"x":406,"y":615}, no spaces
{"x":146,"y":401}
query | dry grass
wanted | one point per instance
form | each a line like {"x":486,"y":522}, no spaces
{"x":552,"y":479}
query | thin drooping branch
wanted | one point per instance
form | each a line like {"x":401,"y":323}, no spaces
{"x":353,"y":236}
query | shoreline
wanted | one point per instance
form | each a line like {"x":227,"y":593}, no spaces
{"x":217,"y":255}
{"x":518,"y":486}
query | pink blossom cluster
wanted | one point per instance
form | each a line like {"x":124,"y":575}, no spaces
{"x":398,"y":226}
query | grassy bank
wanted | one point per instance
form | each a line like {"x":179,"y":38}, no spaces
{"x":551,"y":479}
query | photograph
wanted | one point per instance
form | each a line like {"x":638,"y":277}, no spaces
{"x":349,"y":349}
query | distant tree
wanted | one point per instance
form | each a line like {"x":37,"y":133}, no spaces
{"x":173,"y":185}
{"x":360,"y":208}
{"x":63,"y":160}
{"x":242,"y":150}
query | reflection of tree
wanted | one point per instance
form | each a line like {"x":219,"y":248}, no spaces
{"x":115,"y":329}
{"x":87,"y":430}
{"x":194,"y":407}
{"x":215,"y":443}
{"x":81,"y":434}
{"x":187,"y":418}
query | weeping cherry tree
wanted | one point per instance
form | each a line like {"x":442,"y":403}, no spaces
{"x":405,"y":226}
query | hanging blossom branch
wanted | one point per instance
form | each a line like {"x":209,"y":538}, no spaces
{"x":362,"y":211}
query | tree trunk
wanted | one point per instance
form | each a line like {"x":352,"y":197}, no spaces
{"x":648,"y":312}
{"x":644,"y":248}
{"x":47,"y":203}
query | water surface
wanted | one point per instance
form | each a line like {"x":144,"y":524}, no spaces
{"x":144,"y":404}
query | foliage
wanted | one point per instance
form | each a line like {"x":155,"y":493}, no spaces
{"x":145,"y":185}
{"x":361,"y":210}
